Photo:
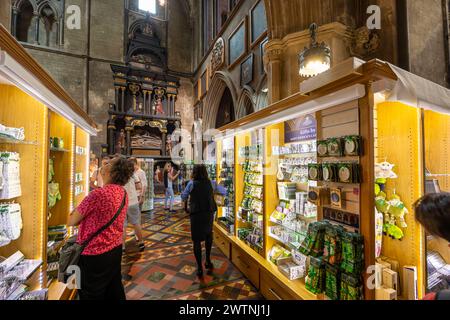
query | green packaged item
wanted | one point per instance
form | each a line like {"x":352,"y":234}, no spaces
{"x":313,"y":244}
{"x":332,"y":282}
{"x":351,"y":288}
{"x":315,"y":281}
{"x":352,"y":253}
{"x":333,"y":244}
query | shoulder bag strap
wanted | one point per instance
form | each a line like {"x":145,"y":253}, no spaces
{"x":109,"y":223}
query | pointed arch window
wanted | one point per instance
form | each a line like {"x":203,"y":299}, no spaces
{"x":39,"y":22}
{"x":148,"y":6}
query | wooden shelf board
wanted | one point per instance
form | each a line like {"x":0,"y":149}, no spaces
{"x":296,"y":287}
{"x":9,"y":140}
{"x":59,"y":150}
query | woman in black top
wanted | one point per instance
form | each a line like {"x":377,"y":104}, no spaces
{"x":202,"y":208}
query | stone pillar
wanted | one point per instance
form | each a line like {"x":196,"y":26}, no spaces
{"x":169,"y":105}
{"x":116,"y":97}
{"x":14,"y":22}
{"x":36,"y":27}
{"x":274,"y":57}
{"x":150,"y":102}
{"x":144,"y":107}
{"x":110,"y":137}
{"x":128,"y":130}
{"x":164,"y":147}
{"x":122,"y":105}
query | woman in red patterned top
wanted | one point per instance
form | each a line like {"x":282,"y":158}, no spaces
{"x":100,"y":261}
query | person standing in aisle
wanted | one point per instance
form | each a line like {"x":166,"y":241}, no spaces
{"x":169,"y":178}
{"x":96,"y":178}
{"x":433,"y":213}
{"x":202,"y":206}
{"x":133,"y":188}
{"x":144,"y":182}
{"x":100,"y":261}
{"x":158,"y":175}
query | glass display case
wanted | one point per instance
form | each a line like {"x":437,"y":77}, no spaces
{"x":249,"y":190}
{"x":225,"y":202}
{"x":148,"y":166}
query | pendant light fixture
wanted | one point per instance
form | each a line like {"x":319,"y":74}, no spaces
{"x":315,"y":59}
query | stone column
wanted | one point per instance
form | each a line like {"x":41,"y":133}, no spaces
{"x":144,"y":107}
{"x":14,"y":22}
{"x":273,"y":59}
{"x":110,"y":138}
{"x":122,"y":106}
{"x":36,"y":27}
{"x":164,"y":147}
{"x":116,"y":96}
{"x":150,"y":102}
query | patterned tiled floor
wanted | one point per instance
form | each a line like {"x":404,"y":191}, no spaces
{"x":167,"y":269}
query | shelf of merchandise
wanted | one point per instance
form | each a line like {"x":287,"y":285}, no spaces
{"x":295,"y":289}
{"x":226,"y":165}
{"x":351,"y":100}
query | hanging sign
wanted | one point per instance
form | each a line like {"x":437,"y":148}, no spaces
{"x":300,"y":129}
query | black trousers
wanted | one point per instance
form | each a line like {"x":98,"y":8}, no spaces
{"x":198,"y":250}
{"x":101,"y":277}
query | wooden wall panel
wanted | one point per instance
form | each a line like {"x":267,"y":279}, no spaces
{"x":399,"y":142}
{"x":437,"y":147}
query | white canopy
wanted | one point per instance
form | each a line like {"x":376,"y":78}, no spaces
{"x":416,"y":91}
{"x":409,"y":88}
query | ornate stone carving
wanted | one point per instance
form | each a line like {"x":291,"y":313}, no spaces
{"x":160,"y":124}
{"x":365,"y":43}
{"x":218,"y":55}
{"x":148,"y":30}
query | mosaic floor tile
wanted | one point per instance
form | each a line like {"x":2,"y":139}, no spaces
{"x":166,"y":269}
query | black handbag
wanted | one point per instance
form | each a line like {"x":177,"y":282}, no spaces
{"x":71,"y":251}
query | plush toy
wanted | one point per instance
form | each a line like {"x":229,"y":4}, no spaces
{"x":384,"y":171}
{"x":397,"y":211}
{"x":381,"y":203}
{"x":393,"y":231}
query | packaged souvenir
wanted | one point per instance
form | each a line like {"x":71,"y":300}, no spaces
{"x":335,"y":147}
{"x":352,"y":145}
{"x":322,"y":148}
{"x":315,"y":281}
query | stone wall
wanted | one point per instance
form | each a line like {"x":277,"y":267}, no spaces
{"x":230,"y":76}
{"x":426,"y":40}
{"x":180,"y":43}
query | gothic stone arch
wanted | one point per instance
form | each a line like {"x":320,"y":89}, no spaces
{"x":219,"y":83}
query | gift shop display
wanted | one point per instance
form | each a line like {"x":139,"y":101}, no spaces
{"x":44,"y":143}
{"x":225,"y":196}
{"x":343,"y":166}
